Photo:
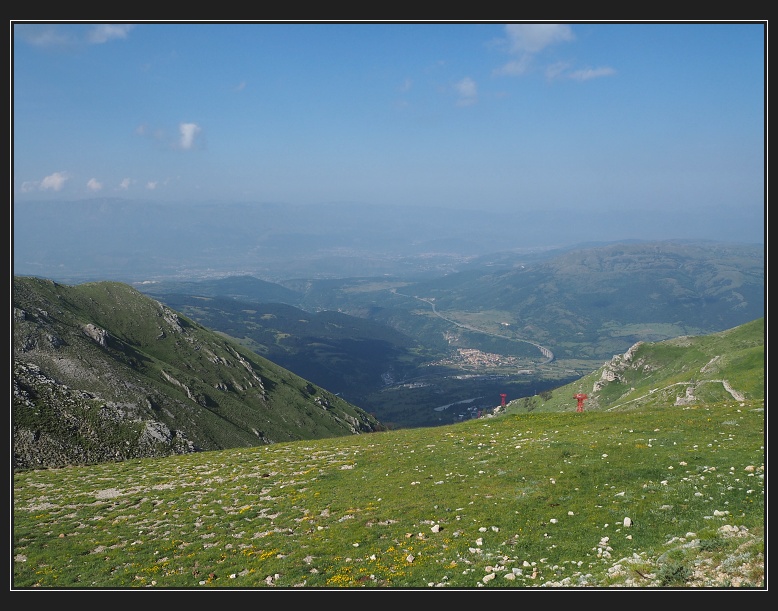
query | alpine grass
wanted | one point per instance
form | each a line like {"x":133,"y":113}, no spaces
{"x":661,"y":497}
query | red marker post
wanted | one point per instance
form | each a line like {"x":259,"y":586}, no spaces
{"x":580,"y":397}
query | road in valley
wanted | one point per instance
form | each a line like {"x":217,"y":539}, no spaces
{"x":549,"y":356}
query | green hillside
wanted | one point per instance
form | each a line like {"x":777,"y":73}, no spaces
{"x":660,"y":497}
{"x":103,"y":372}
{"x":686,"y":371}
{"x":639,"y":491}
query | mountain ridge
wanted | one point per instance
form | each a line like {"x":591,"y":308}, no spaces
{"x":102,"y":371}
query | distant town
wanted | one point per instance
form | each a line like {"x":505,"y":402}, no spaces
{"x":476,"y":359}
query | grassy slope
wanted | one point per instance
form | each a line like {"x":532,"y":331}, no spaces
{"x":689,"y":370}
{"x":536,"y":500}
{"x":651,"y":495}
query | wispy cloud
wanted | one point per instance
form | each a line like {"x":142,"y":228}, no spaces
{"x":525,"y":41}
{"x":534,"y":37}
{"x":590,"y":73}
{"x":468,"y":92}
{"x":66,"y":35}
{"x":186,"y":139}
{"x":94,"y":185}
{"x":515,"y":67}
{"x":102,"y":33}
{"x":557,"y":70}
{"x":42,"y":35}
{"x":403,"y":88}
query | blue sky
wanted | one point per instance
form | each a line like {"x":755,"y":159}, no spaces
{"x":469,"y":115}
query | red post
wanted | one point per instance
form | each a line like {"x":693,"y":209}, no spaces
{"x":502,"y":398}
{"x":580,"y":397}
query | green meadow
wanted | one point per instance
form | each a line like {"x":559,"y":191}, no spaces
{"x":661,"y":497}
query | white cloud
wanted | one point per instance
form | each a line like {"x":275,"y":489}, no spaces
{"x":108,"y":31}
{"x":590,"y":73}
{"x":557,"y":70}
{"x":561,"y":70}
{"x":534,"y":37}
{"x":70,"y":35}
{"x":124,"y":184}
{"x":188,"y":133}
{"x":151,"y":185}
{"x":94,"y":185}
{"x":54,"y":181}
{"x":515,"y":67}
{"x":468,"y":92}
{"x":40,"y":35}
{"x":526,"y":40}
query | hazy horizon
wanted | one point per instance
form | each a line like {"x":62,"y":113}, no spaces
{"x":94,"y":239}
{"x":311,"y":146}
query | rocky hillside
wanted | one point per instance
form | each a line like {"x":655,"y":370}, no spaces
{"x":683,"y":372}
{"x":102,"y":373}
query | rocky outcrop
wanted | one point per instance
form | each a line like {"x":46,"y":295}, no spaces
{"x":56,"y":426}
{"x":97,"y":334}
{"x":611,"y":371}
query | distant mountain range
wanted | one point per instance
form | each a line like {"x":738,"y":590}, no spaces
{"x":363,"y":337}
{"x":594,"y":302}
{"x":131,"y":241}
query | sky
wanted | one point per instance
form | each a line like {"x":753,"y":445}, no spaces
{"x":475,"y":115}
